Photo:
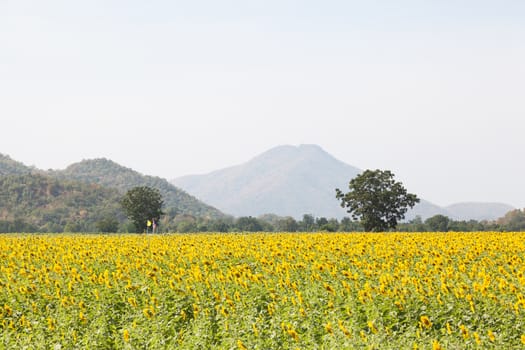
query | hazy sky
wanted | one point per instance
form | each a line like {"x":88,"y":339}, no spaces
{"x":432,"y":90}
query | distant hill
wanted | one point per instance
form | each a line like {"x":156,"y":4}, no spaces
{"x":79,"y":197}
{"x":36,"y":202}
{"x":477,"y":211}
{"x":461,"y":211}
{"x":292,"y":181}
{"x":112,"y":175}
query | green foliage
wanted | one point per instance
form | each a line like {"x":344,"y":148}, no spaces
{"x":219,"y":225}
{"x":414,"y":225}
{"x":187,"y":226}
{"x":127,"y":227}
{"x":288,"y":224}
{"x":248,"y":224}
{"x":513,"y":220}
{"x":438,"y":223}
{"x":308,"y":223}
{"x":348,"y":225}
{"x":73,"y":227}
{"x":445,"y":224}
{"x":331,"y":226}
{"x":9,"y":166}
{"x":377,"y":200}
{"x":141,"y":204}
{"x":17,"y":225}
{"x":110,"y":174}
{"x":320,"y":222}
{"x":107,"y":225}
{"x":40,"y":203}
{"x":81,"y":197}
{"x":265,"y":223}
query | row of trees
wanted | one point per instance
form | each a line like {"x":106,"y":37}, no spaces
{"x":513,"y":221}
{"x":266,"y":223}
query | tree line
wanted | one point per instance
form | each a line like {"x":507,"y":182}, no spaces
{"x":512,"y":221}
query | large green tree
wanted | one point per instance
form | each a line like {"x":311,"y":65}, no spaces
{"x":377,"y":200}
{"x":142,"y":204}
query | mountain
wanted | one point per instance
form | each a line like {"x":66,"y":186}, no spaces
{"x":112,"y":175}
{"x":292,"y":181}
{"x":477,"y":211}
{"x":285,"y":180}
{"x":36,"y":202}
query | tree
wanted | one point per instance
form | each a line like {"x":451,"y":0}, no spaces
{"x":187,"y":226}
{"x":321,"y":221}
{"x":248,"y":224}
{"x":415,"y":225}
{"x":377,"y":200}
{"x":514,"y":220}
{"x":221,"y":225}
{"x":107,"y":224}
{"x":141,"y":204}
{"x":438,"y":223}
{"x":287,"y":224}
{"x":331,"y":226}
{"x":348,"y":225}
{"x":72,"y":227}
{"x":308,"y":223}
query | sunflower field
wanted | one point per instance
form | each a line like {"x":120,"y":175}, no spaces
{"x":263,"y":291}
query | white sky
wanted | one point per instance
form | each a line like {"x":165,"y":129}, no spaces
{"x":432,"y":90}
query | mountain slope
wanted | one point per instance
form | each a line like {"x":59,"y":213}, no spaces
{"x":110,"y":174}
{"x":425,"y":209}
{"x":477,"y":211}
{"x":285,"y":180}
{"x":9,"y":166}
{"x":36,"y":202}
